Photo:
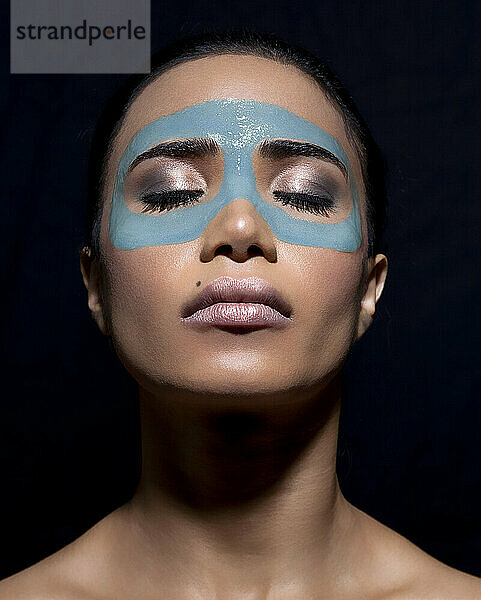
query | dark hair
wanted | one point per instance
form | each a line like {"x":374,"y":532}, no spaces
{"x":240,"y":43}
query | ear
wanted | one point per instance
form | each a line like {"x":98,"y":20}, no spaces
{"x":376,"y":276}
{"x":91,"y":275}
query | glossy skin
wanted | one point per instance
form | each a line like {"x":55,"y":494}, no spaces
{"x":238,"y":497}
{"x":322,"y":285}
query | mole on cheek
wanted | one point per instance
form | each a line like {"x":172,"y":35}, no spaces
{"x":197,"y":284}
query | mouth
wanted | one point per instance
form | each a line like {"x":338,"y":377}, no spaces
{"x":250,"y":302}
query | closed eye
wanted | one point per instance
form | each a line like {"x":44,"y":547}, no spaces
{"x":312,"y":203}
{"x":167,"y":200}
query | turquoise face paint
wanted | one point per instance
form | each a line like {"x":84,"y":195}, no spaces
{"x":238,"y":126}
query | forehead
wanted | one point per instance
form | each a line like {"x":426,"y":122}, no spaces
{"x":233,"y":76}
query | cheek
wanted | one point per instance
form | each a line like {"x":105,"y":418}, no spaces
{"x":336,"y":284}
{"x":329,"y":280}
{"x":143,"y":295}
{"x":328,"y":302}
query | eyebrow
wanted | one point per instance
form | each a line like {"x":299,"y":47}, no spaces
{"x":274,"y":149}
{"x":277,"y":149}
{"x":191,"y":148}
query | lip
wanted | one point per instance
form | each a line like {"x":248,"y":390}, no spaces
{"x":249,"y":302}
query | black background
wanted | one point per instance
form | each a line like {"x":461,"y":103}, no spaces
{"x":410,"y":443}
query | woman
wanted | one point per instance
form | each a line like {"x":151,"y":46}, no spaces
{"x":233,"y":263}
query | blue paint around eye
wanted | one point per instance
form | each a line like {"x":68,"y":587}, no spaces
{"x":237,"y":126}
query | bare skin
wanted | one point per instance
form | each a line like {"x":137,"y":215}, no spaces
{"x":238,"y":497}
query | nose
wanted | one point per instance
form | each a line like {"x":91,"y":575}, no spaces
{"x":239,"y":232}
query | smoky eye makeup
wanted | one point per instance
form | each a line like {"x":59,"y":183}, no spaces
{"x":305,"y":187}
{"x":161,"y":184}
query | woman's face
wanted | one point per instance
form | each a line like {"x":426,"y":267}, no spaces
{"x":145,"y":289}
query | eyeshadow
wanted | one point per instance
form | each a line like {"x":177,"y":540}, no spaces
{"x":163,"y":174}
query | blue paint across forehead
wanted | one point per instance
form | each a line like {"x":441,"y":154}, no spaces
{"x":238,"y":126}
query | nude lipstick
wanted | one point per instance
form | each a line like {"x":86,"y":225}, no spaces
{"x":249,"y":302}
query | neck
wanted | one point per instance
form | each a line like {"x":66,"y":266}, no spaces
{"x":253,"y":490}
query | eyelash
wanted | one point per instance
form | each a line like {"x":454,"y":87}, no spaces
{"x":159,"y":201}
{"x":319,"y":205}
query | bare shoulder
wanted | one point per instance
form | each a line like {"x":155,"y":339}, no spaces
{"x":65,"y":575}
{"x":390,"y":567}
{"x":439,"y":582}
{"x":48,"y":579}
{"x":406,"y":572}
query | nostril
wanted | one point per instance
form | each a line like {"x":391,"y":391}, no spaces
{"x":223,"y":249}
{"x":228,"y":250}
{"x":254,"y":250}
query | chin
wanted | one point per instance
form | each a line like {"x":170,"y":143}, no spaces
{"x":236,"y":383}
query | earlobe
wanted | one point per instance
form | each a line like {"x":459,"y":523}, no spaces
{"x":90,"y":269}
{"x":376,"y":277}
